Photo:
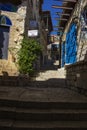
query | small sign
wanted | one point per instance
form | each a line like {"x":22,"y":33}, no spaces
{"x":33,"y":24}
{"x":32,"y":33}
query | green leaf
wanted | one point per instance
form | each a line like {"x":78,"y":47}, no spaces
{"x":27,"y":55}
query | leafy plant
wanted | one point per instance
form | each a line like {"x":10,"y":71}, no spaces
{"x":28,"y":54}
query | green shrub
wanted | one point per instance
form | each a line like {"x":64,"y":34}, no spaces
{"x":28,"y":53}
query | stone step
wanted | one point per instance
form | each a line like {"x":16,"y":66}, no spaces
{"x":21,"y":103}
{"x":13,"y":80}
{"x":9,"y":82}
{"x":49,"y":74}
{"x":49,"y":125}
{"x":43,"y":114}
{"x":42,"y":108}
{"x":24,"y":81}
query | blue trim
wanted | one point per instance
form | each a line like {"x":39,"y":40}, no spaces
{"x":5,"y":21}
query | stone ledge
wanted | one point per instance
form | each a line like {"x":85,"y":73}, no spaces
{"x":79,"y":63}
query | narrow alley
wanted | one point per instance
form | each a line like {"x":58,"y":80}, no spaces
{"x":43,"y":65}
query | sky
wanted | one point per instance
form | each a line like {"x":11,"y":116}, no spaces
{"x":47,"y":6}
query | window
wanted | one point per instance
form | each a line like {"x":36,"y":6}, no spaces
{"x":5,"y":21}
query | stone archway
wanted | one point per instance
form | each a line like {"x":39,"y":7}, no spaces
{"x":5,"y":24}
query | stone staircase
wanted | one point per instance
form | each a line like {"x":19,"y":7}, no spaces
{"x":49,"y":74}
{"x":44,"y":78}
{"x":43,"y":104}
{"x":42,"y":108}
{"x":46,"y":75}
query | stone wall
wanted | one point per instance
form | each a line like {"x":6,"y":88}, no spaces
{"x":15,"y":37}
{"x":76,"y":76}
{"x":82,"y":43}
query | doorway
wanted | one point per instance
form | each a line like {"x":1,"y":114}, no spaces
{"x":4,"y":40}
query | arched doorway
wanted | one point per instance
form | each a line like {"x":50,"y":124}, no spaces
{"x":71,"y":45}
{"x":5,"y":24}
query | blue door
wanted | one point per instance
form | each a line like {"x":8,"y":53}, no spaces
{"x":4,"y":39}
{"x":71,"y":45}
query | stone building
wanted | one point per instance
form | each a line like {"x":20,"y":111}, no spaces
{"x":12,"y":20}
{"x":45,"y":29}
{"x":15,"y":18}
{"x":77,"y":29}
{"x":74,"y":44}
{"x":43,"y":25}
